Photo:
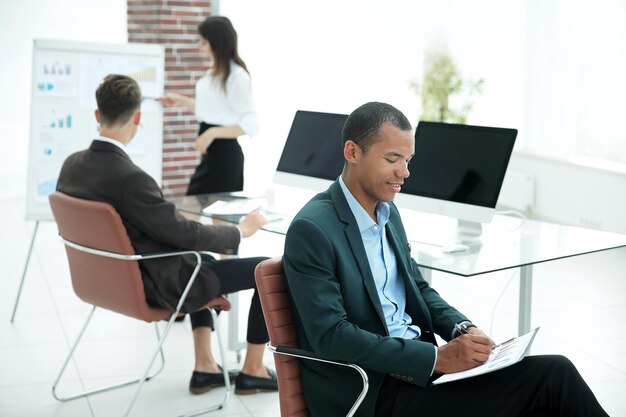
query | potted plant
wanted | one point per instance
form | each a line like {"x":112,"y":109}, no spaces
{"x":445,"y":95}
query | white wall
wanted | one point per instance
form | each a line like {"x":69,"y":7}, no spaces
{"x":330,"y":56}
{"x":570,"y":193}
{"x":20,"y":23}
{"x":333,"y":56}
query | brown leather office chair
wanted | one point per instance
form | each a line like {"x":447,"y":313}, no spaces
{"x":274,"y":296}
{"x":105,"y":273}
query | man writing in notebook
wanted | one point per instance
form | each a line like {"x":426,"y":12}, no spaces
{"x":359,"y":297}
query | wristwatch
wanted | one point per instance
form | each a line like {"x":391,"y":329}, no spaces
{"x":464,"y":327}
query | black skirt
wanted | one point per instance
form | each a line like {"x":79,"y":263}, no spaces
{"x":221,"y":167}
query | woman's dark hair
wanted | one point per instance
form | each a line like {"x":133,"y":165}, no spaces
{"x":221,"y":35}
{"x":363,"y":124}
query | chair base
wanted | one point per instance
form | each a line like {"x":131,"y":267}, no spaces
{"x":146,"y":376}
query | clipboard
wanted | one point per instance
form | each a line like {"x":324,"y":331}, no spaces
{"x":503,"y":355}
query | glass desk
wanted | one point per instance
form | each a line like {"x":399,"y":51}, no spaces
{"x":193,"y":207}
{"x":196,"y":207}
{"x":505,"y":243}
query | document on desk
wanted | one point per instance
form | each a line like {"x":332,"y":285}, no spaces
{"x":235,"y":207}
{"x":503,"y":355}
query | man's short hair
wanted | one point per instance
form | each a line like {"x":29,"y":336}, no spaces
{"x":118,"y":97}
{"x":363,"y":124}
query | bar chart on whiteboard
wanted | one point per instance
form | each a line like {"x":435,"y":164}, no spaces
{"x":65,"y":77}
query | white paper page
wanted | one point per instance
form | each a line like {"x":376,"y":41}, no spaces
{"x":505,"y":354}
{"x":238,"y":206}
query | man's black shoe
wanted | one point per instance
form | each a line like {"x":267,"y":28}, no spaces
{"x":202,"y":382}
{"x":248,"y":384}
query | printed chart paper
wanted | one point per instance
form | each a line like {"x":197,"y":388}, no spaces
{"x":503,"y":355}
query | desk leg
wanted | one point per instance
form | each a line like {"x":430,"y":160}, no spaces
{"x":525,"y":298}
{"x":233,"y":326}
{"x":233,"y":320}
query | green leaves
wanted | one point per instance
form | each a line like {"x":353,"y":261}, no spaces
{"x":445,"y":95}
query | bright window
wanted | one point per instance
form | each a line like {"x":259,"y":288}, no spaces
{"x":576,"y":79}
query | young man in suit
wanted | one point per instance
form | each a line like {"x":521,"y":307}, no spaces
{"x":104,"y":172}
{"x":358,"y":296}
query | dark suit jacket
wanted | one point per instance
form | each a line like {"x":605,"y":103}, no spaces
{"x":103,"y":172}
{"x":338,"y":313}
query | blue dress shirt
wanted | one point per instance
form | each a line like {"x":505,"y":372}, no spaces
{"x":383,"y":264}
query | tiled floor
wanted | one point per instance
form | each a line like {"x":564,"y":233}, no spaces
{"x":580,"y":304}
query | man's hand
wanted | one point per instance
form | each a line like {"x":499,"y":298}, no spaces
{"x":478,"y":332}
{"x":251,"y":223}
{"x":464,"y":352}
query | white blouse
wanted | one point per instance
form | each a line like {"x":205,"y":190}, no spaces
{"x":233,"y":107}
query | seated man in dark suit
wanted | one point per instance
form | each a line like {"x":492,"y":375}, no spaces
{"x":104,"y":172}
{"x":358,"y":296}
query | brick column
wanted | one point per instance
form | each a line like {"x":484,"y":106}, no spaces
{"x":174,"y":24}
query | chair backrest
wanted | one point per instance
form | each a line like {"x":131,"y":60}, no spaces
{"x":274,"y":296}
{"x":102,"y":281}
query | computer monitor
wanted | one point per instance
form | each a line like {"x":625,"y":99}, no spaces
{"x":313,"y":154}
{"x":457,"y":171}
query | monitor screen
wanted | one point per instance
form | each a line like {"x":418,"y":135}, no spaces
{"x":313,"y":153}
{"x":458,"y":164}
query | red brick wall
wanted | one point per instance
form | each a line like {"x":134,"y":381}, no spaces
{"x":174,"y":24}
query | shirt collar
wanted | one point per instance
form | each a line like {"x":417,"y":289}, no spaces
{"x":113,"y":142}
{"x":363,"y":220}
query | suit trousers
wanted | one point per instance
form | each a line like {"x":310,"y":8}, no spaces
{"x":543,"y":385}
{"x":236,"y":275}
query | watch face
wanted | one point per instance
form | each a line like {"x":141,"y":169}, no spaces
{"x":464,"y":328}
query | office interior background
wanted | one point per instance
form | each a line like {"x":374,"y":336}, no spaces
{"x":552,"y":69}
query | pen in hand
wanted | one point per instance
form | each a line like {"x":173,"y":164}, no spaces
{"x":504,"y":343}
{"x":462,"y":329}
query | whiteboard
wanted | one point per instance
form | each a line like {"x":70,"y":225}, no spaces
{"x":65,"y":77}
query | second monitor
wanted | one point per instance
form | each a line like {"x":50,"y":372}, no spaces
{"x":458,"y":171}
{"x":313,"y":154}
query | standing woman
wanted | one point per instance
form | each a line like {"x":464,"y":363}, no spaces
{"x":223,"y":104}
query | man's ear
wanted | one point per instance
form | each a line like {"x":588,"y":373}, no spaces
{"x":351,"y":151}
{"x":97,"y":113}
{"x":137,"y":117}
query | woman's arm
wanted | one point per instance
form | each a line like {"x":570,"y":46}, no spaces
{"x":222,"y":132}
{"x":178,"y":100}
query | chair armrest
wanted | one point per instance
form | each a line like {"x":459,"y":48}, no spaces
{"x":123,"y":257}
{"x":291,"y":351}
{"x":305,"y":354}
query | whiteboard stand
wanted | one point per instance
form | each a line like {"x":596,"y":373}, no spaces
{"x":19,"y":290}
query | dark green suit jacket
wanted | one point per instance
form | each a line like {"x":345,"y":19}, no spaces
{"x":338,"y":313}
